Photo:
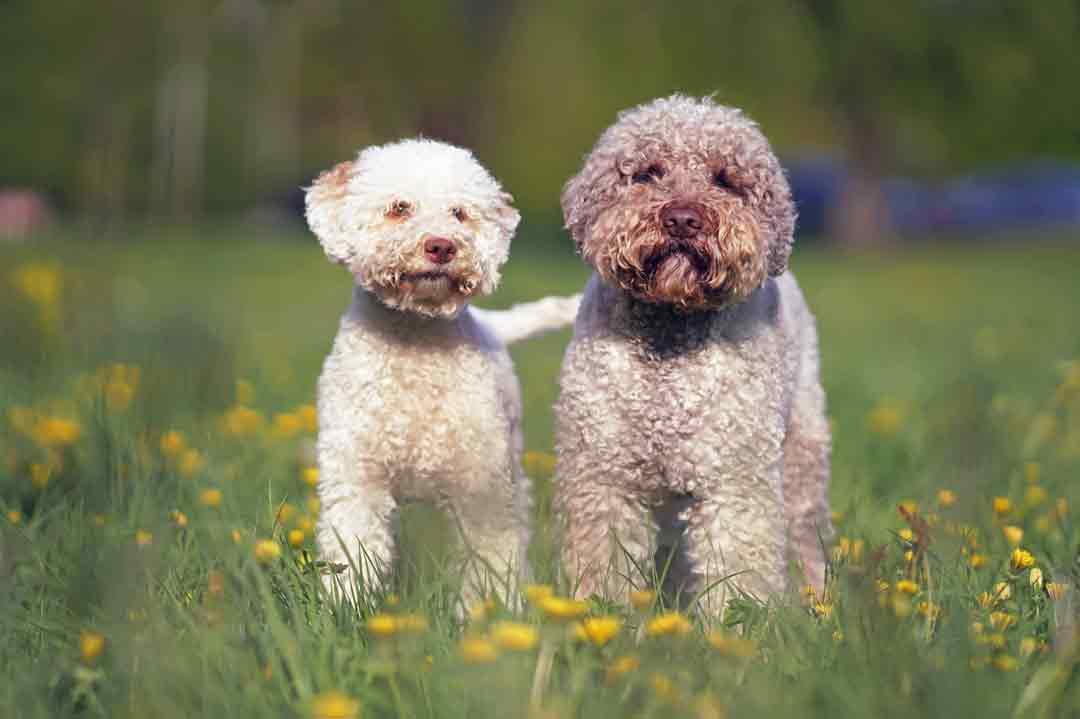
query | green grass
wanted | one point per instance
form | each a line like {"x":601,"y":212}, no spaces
{"x":945,"y":367}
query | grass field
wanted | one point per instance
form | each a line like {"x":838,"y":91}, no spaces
{"x":155,"y":545}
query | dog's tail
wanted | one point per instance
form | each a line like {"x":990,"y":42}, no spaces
{"x":529,"y":319}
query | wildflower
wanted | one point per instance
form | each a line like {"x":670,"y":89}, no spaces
{"x":729,"y":646}
{"x":1056,"y":590}
{"x":91,"y":645}
{"x":285,"y":513}
{"x":179,"y":518}
{"x":1003,"y":591}
{"x":313,"y":504}
{"x":885,"y":420}
{"x":309,"y":418}
{"x":235,"y":535}
{"x":1044,"y":524}
{"x":562,"y":609}
{"x":286,"y":425}
{"x":906,"y":586}
{"x":190,"y":463}
{"x":1021,"y":559}
{"x":480,"y":611}
{"x":305,"y":523}
{"x":1035,"y":495}
{"x":538,"y":464}
{"x":172,"y":443}
{"x":664,"y":687}
{"x":621,"y":667}
{"x":40,"y":474}
{"x":334,"y":705}
{"x":668,"y":624}
{"x":977,"y":561}
{"x":908,"y":507}
{"x":1001,"y":621}
{"x":514,"y":636}
{"x":642,"y":599}
{"x":310,"y":476}
{"x":1028,"y":645}
{"x":901,"y":606}
{"x":905,"y":534}
{"x":1002,"y":506}
{"x":535,"y":593}
{"x":55,"y":432}
{"x":909,"y":556}
{"x":210,"y":497}
{"x":241,"y":421}
{"x":929,"y":610}
{"x":392,"y":599}
{"x":39,"y":283}
{"x":143,"y":538}
{"x":1035,"y":579}
{"x":837,"y":636}
{"x":1013,"y":534}
{"x":382,"y":625}
{"x":296,"y":537}
{"x":267,"y":550}
{"x":14,"y":516}
{"x":822,"y":610}
{"x":600,"y":630}
{"x":946,"y":497}
{"x":477,"y":650}
{"x":1005,"y":663}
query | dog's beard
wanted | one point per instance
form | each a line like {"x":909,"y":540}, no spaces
{"x":713,"y":270}
{"x":436,"y":293}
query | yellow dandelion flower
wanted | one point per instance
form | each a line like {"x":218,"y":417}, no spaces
{"x":118,"y":395}
{"x":245,"y":392}
{"x":885,"y":420}
{"x":562,"y":609}
{"x":55,"y":432}
{"x":172,"y":443}
{"x":1035,"y":495}
{"x":190,"y":463}
{"x":536,"y":592}
{"x":909,"y":556}
{"x":621,"y":667}
{"x":1001,"y":621}
{"x":310,"y":476}
{"x":728,"y":646}
{"x":930,"y":610}
{"x":313,"y":505}
{"x":210,"y":497}
{"x":1035,"y":579}
{"x":823,"y":610}
{"x":664,"y":687}
{"x":143,"y":538}
{"x":538,"y":464}
{"x":1002,"y":591}
{"x":668,"y":624}
{"x":1002,"y":506}
{"x":334,"y":705}
{"x":977,"y":561}
{"x":179,"y":518}
{"x":236,"y":536}
{"x":809,"y":594}
{"x":40,"y":474}
{"x":309,"y":418}
{"x":14,"y":516}
{"x":985,"y":599}
{"x":642,"y":599}
{"x":287,"y":425}
{"x":1021,"y":559}
{"x":1028,"y":645}
{"x":305,"y":523}
{"x":601,"y":630}
{"x":906,"y":586}
{"x":906,"y":534}
{"x":267,"y":551}
{"x":38,"y":283}
{"x":857,"y":550}
{"x":241,"y":421}
{"x":285,"y":513}
{"x":91,"y":645}
{"x":838,"y":636}
{"x":996,"y":640}
{"x":1043,"y":524}
{"x":908,"y":507}
{"x":477,"y":650}
{"x":296,"y":537}
{"x":946,"y":497}
{"x":1056,"y":590}
{"x":1013,"y":534}
{"x":514,"y":636}
{"x":382,"y":625}
{"x":1005,"y":663}
{"x":481,"y":610}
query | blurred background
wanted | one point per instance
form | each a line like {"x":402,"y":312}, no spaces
{"x":894,"y":119}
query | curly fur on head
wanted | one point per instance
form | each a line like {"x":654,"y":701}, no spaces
{"x":682,"y":151}
{"x":373,"y":214}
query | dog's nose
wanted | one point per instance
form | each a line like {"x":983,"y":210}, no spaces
{"x":681,"y":220}
{"x":440,"y":250}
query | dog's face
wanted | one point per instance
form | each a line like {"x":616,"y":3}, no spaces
{"x":420,"y":224}
{"x":682,"y":202}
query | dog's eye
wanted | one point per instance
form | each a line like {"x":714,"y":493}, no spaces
{"x":647,"y":175}
{"x":399,"y":208}
{"x":720,"y":179}
{"x":459,"y":214}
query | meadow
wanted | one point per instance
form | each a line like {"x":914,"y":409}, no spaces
{"x":156,"y":503}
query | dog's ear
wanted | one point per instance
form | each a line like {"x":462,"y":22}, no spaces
{"x":779,"y":210}
{"x":325,"y":210}
{"x":506,"y":215}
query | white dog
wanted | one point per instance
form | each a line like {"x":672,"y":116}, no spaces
{"x":418,"y":399}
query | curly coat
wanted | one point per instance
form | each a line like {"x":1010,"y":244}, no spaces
{"x":691,"y":410}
